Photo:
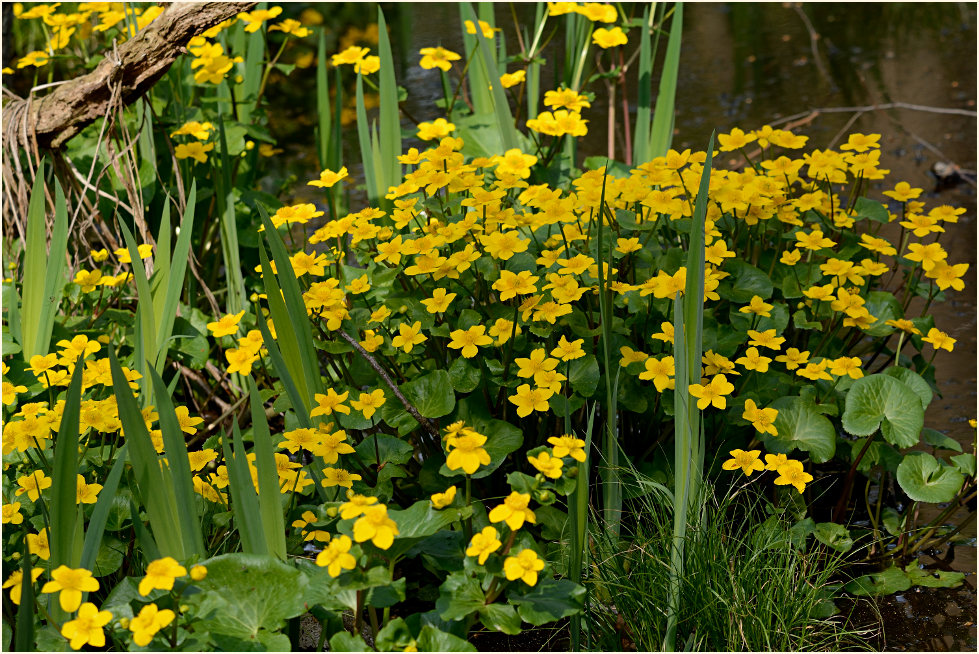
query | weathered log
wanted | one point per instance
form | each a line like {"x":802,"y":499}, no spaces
{"x":135,"y":66}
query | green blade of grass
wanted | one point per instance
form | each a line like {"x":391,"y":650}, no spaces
{"x":179,"y":466}
{"x":578,"y":514}
{"x":146,"y":343}
{"x":244,"y":501}
{"x":229,"y":227}
{"x":270,"y":508}
{"x":295,"y":310}
{"x":485,"y":60}
{"x":390,"y":127}
{"x":24,"y":638}
{"x":147,"y":544}
{"x":160,"y":506}
{"x":160,"y":280}
{"x":366,"y":152}
{"x":643,"y":95}
{"x":479,"y":84}
{"x":336,"y":143}
{"x":688,"y":440}
{"x":254,"y":67}
{"x":100,"y":514}
{"x":42,"y":273}
{"x":323,"y":113}
{"x":175,"y":283}
{"x":282,"y":370}
{"x":64,"y":475}
{"x":661,"y":135}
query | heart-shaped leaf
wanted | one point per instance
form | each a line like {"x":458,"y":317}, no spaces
{"x":924,"y":479}
{"x":801,"y":427}
{"x":881,"y":401}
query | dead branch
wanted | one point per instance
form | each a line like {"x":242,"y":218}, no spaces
{"x":136,"y":65}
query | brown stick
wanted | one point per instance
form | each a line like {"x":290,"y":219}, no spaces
{"x":136,"y":64}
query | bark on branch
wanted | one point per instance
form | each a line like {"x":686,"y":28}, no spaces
{"x":136,"y":65}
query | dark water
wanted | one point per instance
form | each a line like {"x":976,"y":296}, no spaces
{"x":806,"y":66}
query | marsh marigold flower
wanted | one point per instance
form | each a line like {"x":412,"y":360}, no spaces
{"x":161,"y":574}
{"x":467,"y":452}
{"x":747,"y":461}
{"x":607,"y":38}
{"x":437,"y":58}
{"x":87,"y":627}
{"x":376,"y":526}
{"x":71,"y":584}
{"x":524,"y":566}
{"x":514,"y":511}
{"x":148,"y":622}
{"x":442,"y":500}
{"x":712,"y":393}
{"x":791,"y":473}
{"x":336,"y":556}
{"x":549,"y":466}
{"x":483,"y":544}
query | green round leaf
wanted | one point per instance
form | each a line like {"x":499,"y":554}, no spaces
{"x":549,"y":600}
{"x":966,"y":463}
{"x":745,"y":282}
{"x":913,"y":381}
{"x":801,"y":427}
{"x":431,"y":394}
{"x":933,"y":578}
{"x":924,"y":479}
{"x":883,"y":306}
{"x":881,"y":401}
{"x":891,"y":580}
{"x":939,"y":440}
{"x":833,"y":535}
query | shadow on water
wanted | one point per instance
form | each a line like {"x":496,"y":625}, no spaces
{"x":806,"y":66}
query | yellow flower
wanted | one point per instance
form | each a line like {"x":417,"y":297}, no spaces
{"x":33,"y":484}
{"x":37,"y":58}
{"x":469,"y":340}
{"x":437,"y":58}
{"x":753,"y":360}
{"x":512,"y":79}
{"x":87,"y":627}
{"x":376,"y":526}
{"x":846,"y":366}
{"x":439,"y":301}
{"x":227,"y":325}
{"x":563,"y":98}
{"x":148,"y":622}
{"x":369,"y":403}
{"x":712,"y":393}
{"x":71,"y":583}
{"x":351,"y":55}
{"x":355,"y":505}
{"x":607,"y":38}
{"x":193,"y":150}
{"x":467,"y":452}
{"x":442,"y":500}
{"x":339,"y":477}
{"x":774,"y":461}
{"x":198,"y":573}
{"x":661,"y":371}
{"x":15,"y":582}
{"x":747,"y":461}
{"x":792,"y":473}
{"x":483,"y":544}
{"x":567,"y":445}
{"x":144,"y":250}
{"x":938,"y":339}
{"x":328,"y":178}
{"x":409,"y":336}
{"x":38,"y":544}
{"x":200,"y":131}
{"x":330,"y":402}
{"x":528,"y":400}
{"x":435,"y":130}
{"x":861,"y":142}
{"x":766,"y":338}
{"x":291,"y":26}
{"x":902,"y":193}
{"x":240,"y":360}
{"x":524,"y":566}
{"x":367,"y":65}
{"x":549,"y":466}
{"x":161,"y":574}
{"x":336,"y":556}
{"x":11,"y":514}
{"x":514,"y":511}
{"x":758,"y":306}
{"x":762,"y":419}
{"x":86,"y":493}
{"x":484,"y":28}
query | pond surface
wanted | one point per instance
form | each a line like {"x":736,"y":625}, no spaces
{"x":810,"y":68}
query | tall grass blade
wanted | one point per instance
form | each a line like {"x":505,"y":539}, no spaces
{"x":100,"y":514}
{"x":160,"y":280}
{"x":688,"y":461}
{"x":64,"y":474}
{"x":578,"y":512}
{"x":366,"y":151}
{"x":160,"y":504}
{"x":146,"y":321}
{"x":179,"y":468}
{"x":24,"y":638}
{"x":282,"y":370}
{"x":661,"y":135}
{"x":323,"y":113}
{"x":297,"y":319}
{"x":644,"y":93}
{"x":244,"y":501}
{"x":390,"y":128}
{"x":485,"y":60}
{"x":254,"y":66}
{"x":479,"y":84}
{"x":229,"y":227}
{"x":175,"y":284}
{"x":42,"y":273}
{"x":150,"y":550}
{"x":270,"y":508}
